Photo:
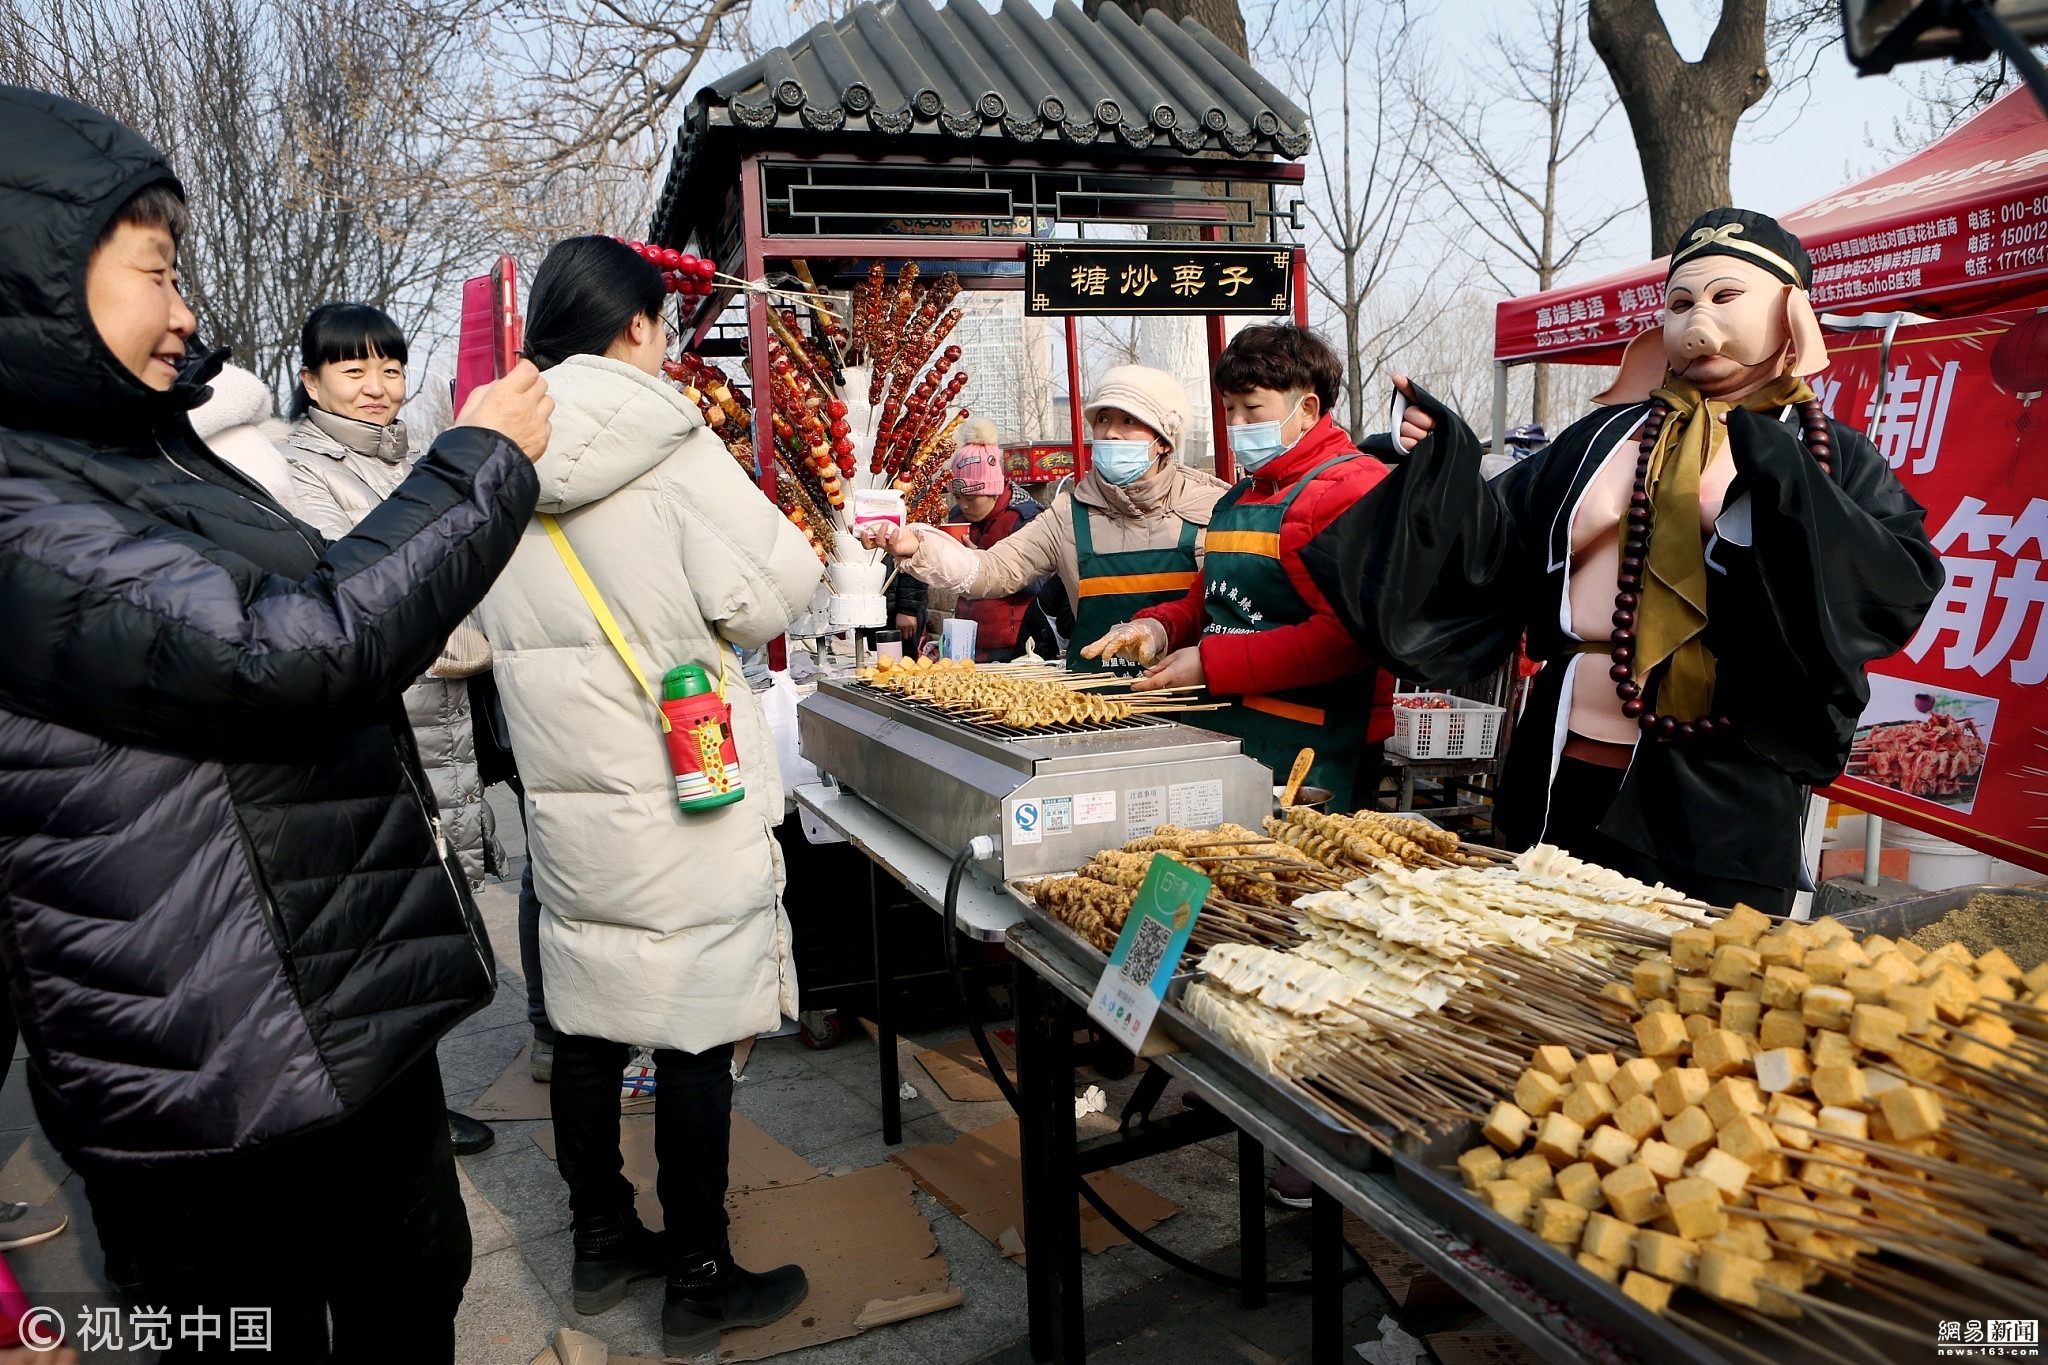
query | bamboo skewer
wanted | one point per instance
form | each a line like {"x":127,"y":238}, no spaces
{"x":1827,"y":1320}
{"x":1723,"y":1342}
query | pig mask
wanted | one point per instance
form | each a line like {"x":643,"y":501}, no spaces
{"x":1732,"y":321}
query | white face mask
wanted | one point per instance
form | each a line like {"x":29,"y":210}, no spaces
{"x":1257,"y":444}
{"x":1120,"y":462}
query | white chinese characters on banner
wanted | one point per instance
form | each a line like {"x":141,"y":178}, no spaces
{"x":1997,"y":559}
{"x":1914,"y":417}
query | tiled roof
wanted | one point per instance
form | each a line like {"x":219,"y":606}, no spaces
{"x":906,"y":69}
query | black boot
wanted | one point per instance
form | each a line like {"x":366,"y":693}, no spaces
{"x":469,"y":1136}
{"x":611,"y":1252}
{"x":711,"y":1294}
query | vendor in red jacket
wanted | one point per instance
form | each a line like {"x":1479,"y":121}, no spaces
{"x":1256,"y":629}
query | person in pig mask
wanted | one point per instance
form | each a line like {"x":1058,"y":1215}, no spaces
{"x":1705,"y":567}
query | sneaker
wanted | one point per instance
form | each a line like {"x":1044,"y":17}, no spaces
{"x":469,"y":1136}
{"x":23,"y":1225}
{"x":1290,"y":1189}
{"x":716,"y":1294}
{"x":610,"y":1254}
{"x":542,"y":1061}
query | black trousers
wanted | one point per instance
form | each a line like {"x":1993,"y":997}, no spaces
{"x":1579,"y":798}
{"x":692,"y":1137}
{"x":358,"y":1224}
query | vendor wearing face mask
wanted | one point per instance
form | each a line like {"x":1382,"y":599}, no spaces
{"x":1256,"y":628}
{"x":1126,"y":536}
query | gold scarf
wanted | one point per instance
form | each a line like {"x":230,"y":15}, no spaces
{"x":1673,"y":612}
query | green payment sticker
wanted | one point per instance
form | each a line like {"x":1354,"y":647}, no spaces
{"x":1148,"y":951}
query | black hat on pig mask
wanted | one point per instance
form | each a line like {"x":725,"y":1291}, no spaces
{"x":1753,"y":237}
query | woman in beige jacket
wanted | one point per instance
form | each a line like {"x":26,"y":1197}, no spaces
{"x":1126,"y":536}
{"x":660,"y":927}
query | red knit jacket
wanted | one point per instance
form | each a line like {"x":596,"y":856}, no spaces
{"x":1318,"y":649}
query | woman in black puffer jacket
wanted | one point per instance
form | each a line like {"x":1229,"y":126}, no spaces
{"x":231,"y":931}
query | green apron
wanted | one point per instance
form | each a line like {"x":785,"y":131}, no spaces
{"x":1247,"y":590}
{"x":1113,"y":588}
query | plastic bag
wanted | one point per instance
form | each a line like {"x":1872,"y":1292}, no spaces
{"x":778,"y":704}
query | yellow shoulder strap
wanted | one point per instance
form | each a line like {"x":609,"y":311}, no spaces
{"x":605,"y":619}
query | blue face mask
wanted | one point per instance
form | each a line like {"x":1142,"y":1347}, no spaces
{"x":1255,"y":445}
{"x":1120,"y":462}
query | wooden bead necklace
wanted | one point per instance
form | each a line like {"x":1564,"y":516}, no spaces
{"x":1635,"y":559}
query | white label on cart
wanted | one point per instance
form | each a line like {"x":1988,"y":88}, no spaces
{"x":1059,"y":814}
{"x":1196,"y":805}
{"x":1095,"y":808}
{"x":1144,"y":811}
{"x":1027,"y":821}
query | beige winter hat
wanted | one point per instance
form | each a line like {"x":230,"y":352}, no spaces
{"x":1152,"y":396}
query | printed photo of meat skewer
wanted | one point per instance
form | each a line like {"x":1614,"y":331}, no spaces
{"x":1923,"y":742}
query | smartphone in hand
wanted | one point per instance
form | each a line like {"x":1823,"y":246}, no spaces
{"x":492,"y":330}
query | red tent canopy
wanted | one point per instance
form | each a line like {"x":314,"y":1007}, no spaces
{"x":1959,"y":227}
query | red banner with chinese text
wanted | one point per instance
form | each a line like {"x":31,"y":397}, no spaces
{"x":1955,"y":739}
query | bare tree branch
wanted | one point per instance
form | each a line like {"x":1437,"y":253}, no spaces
{"x":327,"y":159}
{"x":1369,"y":165}
{"x":1508,"y":186}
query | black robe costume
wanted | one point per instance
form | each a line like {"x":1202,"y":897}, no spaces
{"x":1439,"y":575}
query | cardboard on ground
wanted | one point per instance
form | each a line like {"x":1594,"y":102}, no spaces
{"x":870,"y":1255}
{"x":957,"y":1069}
{"x":979,"y":1177}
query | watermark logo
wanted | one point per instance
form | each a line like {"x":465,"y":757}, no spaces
{"x":2014,"y":1337}
{"x":41,"y":1329}
{"x":95,"y":1328}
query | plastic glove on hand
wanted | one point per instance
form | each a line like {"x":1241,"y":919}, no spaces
{"x":1139,"y":641}
{"x":900,"y":541}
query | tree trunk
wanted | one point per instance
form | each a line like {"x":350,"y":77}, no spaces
{"x":1683,"y":114}
{"x":1224,"y":19}
{"x":1221,"y":17}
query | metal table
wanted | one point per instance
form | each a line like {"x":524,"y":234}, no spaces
{"x":1052,"y":987}
{"x":984,"y":911}
{"x":830,"y":815}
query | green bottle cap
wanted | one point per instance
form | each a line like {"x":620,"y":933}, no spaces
{"x":688,"y":680}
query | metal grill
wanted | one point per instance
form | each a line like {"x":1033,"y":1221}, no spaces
{"x":997,"y":730}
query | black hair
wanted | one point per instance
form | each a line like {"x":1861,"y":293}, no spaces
{"x":153,"y":206}
{"x":343,"y":331}
{"x":584,"y":294}
{"x":1281,"y":357}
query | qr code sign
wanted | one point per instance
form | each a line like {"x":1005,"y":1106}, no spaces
{"x":1148,"y":948}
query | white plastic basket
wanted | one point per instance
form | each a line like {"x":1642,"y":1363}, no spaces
{"x":1464,"y":729}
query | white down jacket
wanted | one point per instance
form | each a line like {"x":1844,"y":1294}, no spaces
{"x":661,"y":928}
